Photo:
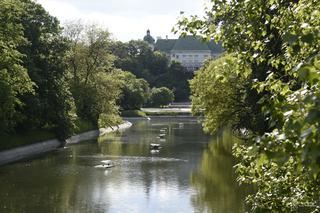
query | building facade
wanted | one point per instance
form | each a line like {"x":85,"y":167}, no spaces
{"x":190,"y":51}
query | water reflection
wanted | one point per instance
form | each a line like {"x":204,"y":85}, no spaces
{"x":67,"y":180}
{"x":215,"y":181}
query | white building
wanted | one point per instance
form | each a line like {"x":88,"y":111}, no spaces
{"x":190,"y":51}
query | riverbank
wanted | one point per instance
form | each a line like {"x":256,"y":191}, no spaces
{"x":29,"y":151}
{"x":96,"y":133}
{"x":29,"y":137}
{"x":172,"y":110}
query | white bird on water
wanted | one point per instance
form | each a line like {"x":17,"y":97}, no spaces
{"x":106,"y":164}
{"x":155,"y":146}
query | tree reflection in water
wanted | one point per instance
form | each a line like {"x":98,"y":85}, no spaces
{"x":215,"y":181}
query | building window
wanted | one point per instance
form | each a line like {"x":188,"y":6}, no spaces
{"x":196,"y":56}
{"x":177,"y":56}
{"x":206,"y":56}
{"x":184,"y":56}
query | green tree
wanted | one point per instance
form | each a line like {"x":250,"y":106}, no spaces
{"x":217,"y":92}
{"x":44,"y":59}
{"x":135,"y":92}
{"x":93,"y":78}
{"x":161,"y":97}
{"x":176,"y":79}
{"x":134,"y":56}
{"x":14,"y":79}
{"x":34,"y":90}
{"x":138,"y":58}
{"x":159,"y":63}
{"x":279,"y":41}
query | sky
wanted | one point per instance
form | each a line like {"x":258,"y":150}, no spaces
{"x":126,"y":19}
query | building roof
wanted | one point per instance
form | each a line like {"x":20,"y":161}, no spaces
{"x":190,"y":43}
{"x":187,"y":43}
{"x":165,"y":45}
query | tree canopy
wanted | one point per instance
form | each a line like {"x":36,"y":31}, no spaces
{"x":48,"y":79}
{"x":34,"y":66}
{"x":277,"y":47}
{"x":135,"y":91}
{"x":161,"y":97}
{"x":217,"y":92}
{"x":92,"y":76}
{"x":138,"y":58}
{"x":14,"y":78}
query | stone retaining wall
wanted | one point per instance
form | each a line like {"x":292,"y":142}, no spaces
{"x":28,"y":151}
{"x":20,"y":153}
{"x":96,"y":133}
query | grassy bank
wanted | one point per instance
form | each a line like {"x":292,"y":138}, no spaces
{"x":26,"y":138}
{"x":35,"y":136}
{"x":133,"y":113}
{"x":83,"y":126}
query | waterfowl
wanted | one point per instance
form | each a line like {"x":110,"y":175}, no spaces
{"x":154,"y":146}
{"x":154,"y":151}
{"x":106,"y":164}
{"x":162,"y":135}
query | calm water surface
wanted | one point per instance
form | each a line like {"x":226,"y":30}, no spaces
{"x":191,"y":173}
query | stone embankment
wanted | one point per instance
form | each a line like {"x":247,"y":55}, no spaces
{"x":20,"y":153}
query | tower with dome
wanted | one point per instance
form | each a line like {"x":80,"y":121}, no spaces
{"x":149,"y":39}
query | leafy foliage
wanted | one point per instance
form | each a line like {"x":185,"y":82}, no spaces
{"x":217,"y":92}
{"x":279,"y":41}
{"x":32,"y":70}
{"x":138,"y":58}
{"x":45,"y":53}
{"x":161,"y":97}
{"x":14,"y":79}
{"x":135,"y":92}
{"x":176,"y":79}
{"x":92,"y":76}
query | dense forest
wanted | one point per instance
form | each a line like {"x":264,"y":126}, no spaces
{"x":67,"y":79}
{"x":267,"y":90}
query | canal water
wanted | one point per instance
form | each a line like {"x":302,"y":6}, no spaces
{"x":192,"y":172}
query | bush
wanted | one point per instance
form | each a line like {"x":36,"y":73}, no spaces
{"x":135,"y":91}
{"x":160,"y":97}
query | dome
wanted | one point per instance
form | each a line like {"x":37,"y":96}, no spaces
{"x":148,"y":38}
